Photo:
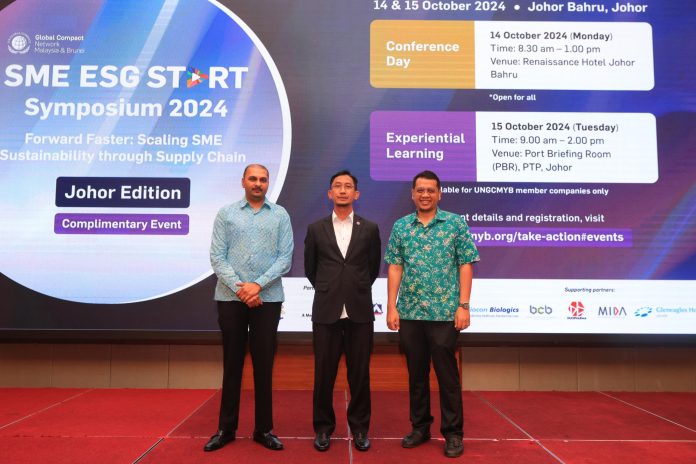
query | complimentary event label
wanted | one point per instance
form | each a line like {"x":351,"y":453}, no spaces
{"x":122,"y":224}
{"x":511,"y":55}
{"x":130,"y":105}
{"x":515,"y":146}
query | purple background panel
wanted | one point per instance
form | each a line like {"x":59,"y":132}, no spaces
{"x":458,"y":163}
{"x":94,"y":224}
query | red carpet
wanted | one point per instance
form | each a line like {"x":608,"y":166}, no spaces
{"x":517,"y":452}
{"x":113,"y":413}
{"x":71,"y":450}
{"x":56,"y":426}
{"x":294,"y":421}
{"x":582,"y":416}
{"x":204,"y":420}
{"x":391,"y":417}
{"x":245,"y":451}
{"x":624,"y":452}
{"x":19,"y":402}
{"x":678,"y":407}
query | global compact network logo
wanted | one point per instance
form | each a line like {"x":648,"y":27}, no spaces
{"x":377,"y":309}
{"x":18,"y":43}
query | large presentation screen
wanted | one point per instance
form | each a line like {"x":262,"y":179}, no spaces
{"x":563,"y":132}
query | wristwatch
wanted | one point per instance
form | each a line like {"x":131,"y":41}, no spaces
{"x":465,"y":306}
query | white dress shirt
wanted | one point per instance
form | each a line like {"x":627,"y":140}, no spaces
{"x":343,"y":229}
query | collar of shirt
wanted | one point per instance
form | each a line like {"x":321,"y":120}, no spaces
{"x":244,"y":203}
{"x":439,"y":217}
{"x":336,"y":220}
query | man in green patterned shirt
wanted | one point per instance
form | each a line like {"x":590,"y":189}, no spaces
{"x":430,"y":255}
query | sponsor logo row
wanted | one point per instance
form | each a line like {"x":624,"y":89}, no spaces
{"x":577,"y":310}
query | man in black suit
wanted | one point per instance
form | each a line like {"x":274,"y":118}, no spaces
{"x":341,"y":260}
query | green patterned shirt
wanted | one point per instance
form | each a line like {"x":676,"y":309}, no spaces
{"x":431,"y":256}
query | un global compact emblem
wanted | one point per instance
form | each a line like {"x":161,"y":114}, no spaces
{"x":18,"y":43}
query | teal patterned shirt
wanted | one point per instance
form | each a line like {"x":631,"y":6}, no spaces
{"x":431,"y":256}
{"x":251,"y":246}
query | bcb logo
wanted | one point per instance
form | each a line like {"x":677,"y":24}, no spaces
{"x":541,"y":310}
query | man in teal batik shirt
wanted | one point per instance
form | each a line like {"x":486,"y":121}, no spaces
{"x":250,"y":250}
{"x":430,"y":255}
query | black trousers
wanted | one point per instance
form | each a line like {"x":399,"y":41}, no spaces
{"x":259,"y":326}
{"x":423,"y":341}
{"x":330,"y":340}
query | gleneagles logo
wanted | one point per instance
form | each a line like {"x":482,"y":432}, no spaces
{"x":645,"y":311}
{"x":18,"y":43}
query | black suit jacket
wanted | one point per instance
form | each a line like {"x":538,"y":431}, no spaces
{"x":338,"y":281}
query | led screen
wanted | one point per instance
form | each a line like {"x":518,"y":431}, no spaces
{"x":563,"y":133}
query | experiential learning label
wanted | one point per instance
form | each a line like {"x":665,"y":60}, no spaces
{"x":511,"y":55}
{"x":514,"y":146}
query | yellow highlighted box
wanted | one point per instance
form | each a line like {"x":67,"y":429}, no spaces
{"x":422,"y":54}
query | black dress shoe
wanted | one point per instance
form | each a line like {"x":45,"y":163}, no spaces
{"x":361,"y":442}
{"x":217,"y":441}
{"x":322,"y":441}
{"x":268,"y":440}
{"x":415,"y":438}
{"x":454,"y":446}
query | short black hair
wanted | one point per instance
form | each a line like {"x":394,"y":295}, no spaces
{"x":344,"y":172}
{"x":430,"y":175}
{"x":255,"y":165}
